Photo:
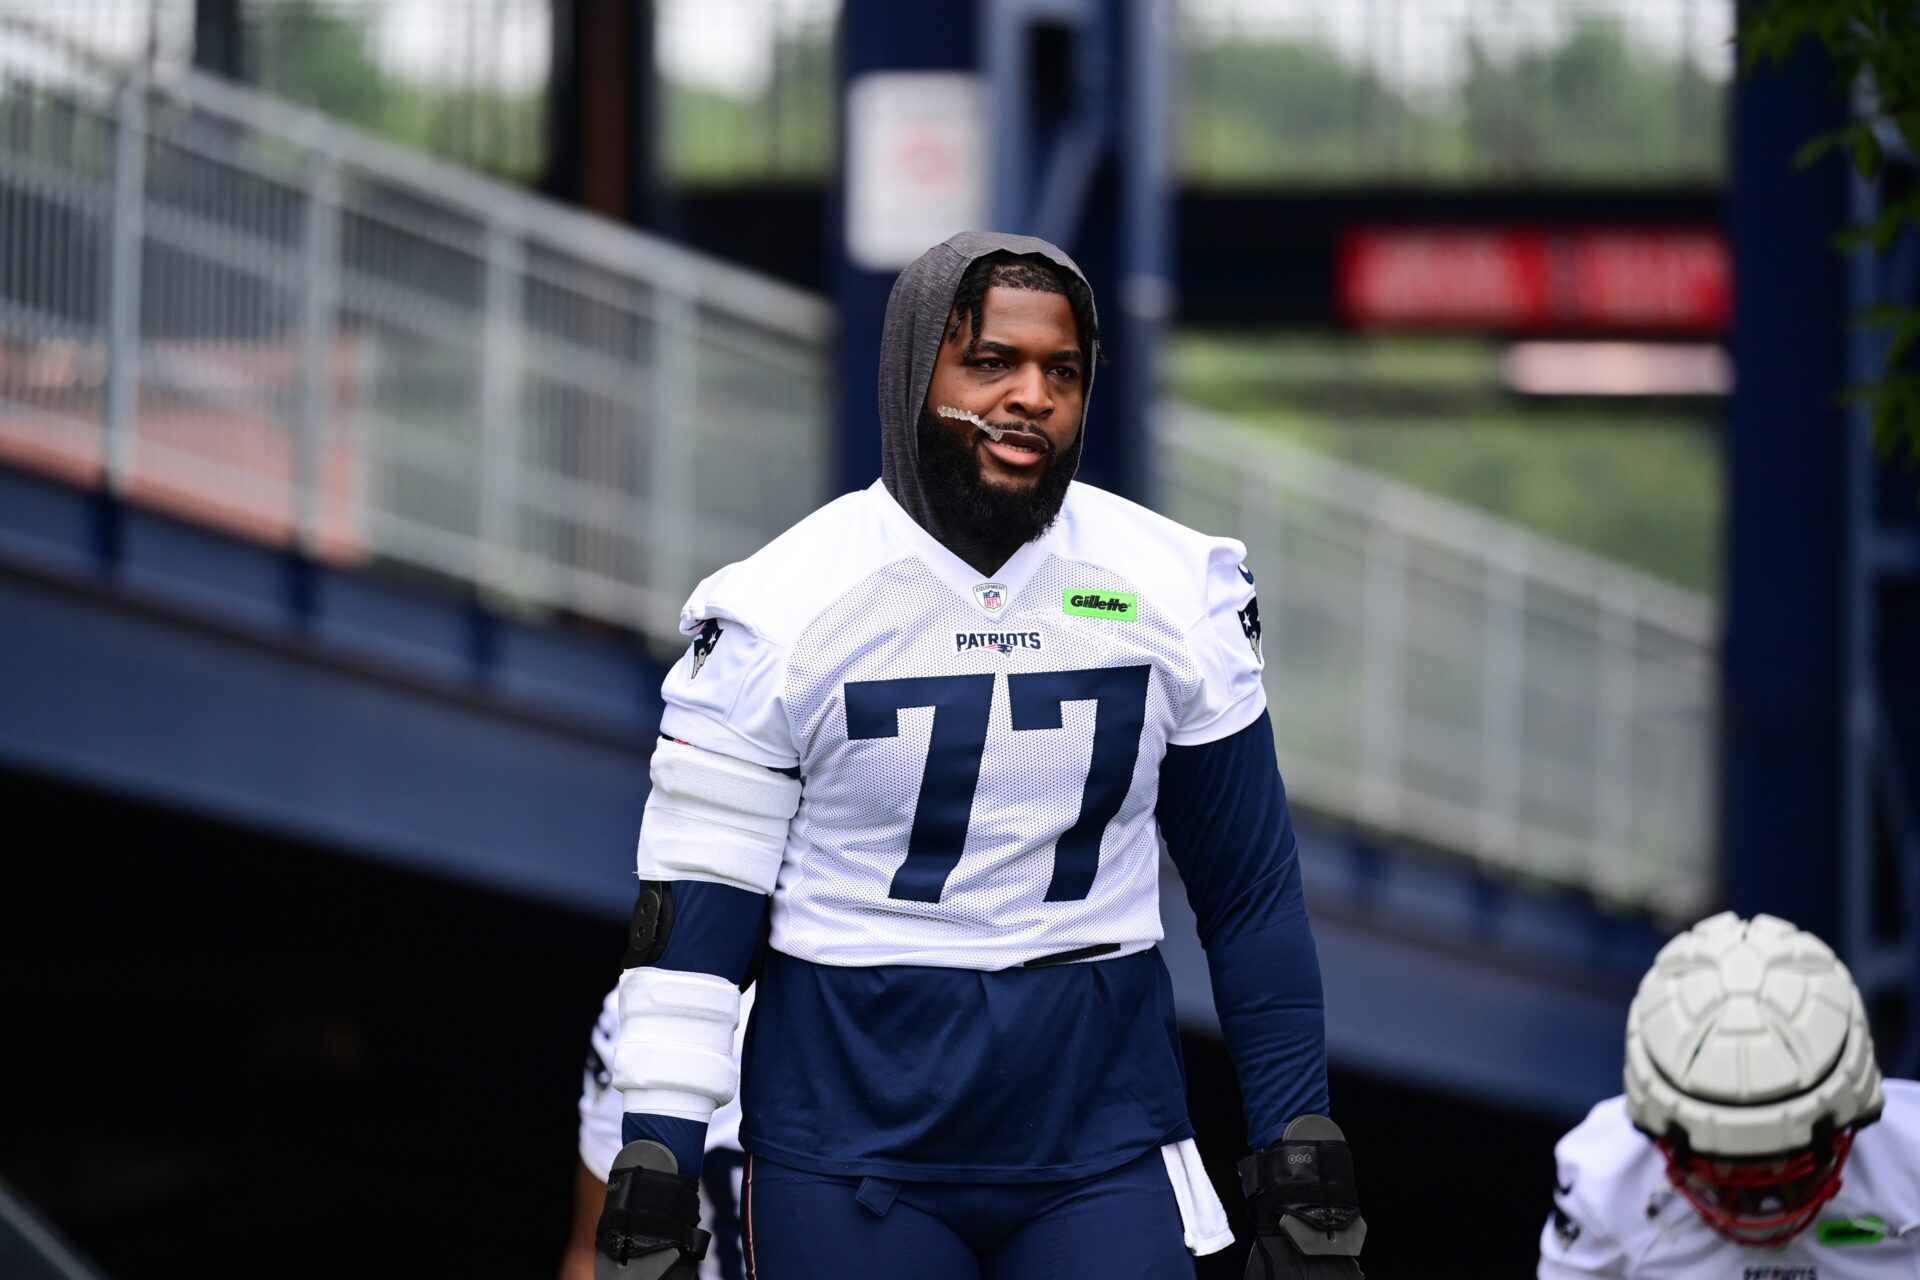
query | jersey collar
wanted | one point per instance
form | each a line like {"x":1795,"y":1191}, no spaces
{"x":959,"y":576}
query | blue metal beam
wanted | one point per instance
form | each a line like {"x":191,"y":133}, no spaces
{"x":1078,"y":103}
{"x":1819,"y":689}
{"x":382,"y":720}
{"x":876,"y":36}
{"x":1880,"y":862}
{"x":1785,"y":451}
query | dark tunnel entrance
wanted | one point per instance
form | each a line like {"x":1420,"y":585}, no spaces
{"x":229,"y":1051}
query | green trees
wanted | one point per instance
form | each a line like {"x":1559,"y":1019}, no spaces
{"x":1597,"y":106}
{"x":322,"y":56}
{"x":1590,"y":103}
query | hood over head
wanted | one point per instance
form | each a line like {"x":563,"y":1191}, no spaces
{"x":916,"y":322}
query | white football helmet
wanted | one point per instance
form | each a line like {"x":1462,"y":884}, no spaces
{"x":1750,"y":1064}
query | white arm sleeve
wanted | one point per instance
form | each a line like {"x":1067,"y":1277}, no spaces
{"x":717,"y":819}
{"x":712,"y":817}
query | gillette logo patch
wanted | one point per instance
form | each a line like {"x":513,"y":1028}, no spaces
{"x":1114,"y":606}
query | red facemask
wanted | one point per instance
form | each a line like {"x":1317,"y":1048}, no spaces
{"x":1760,"y":1202}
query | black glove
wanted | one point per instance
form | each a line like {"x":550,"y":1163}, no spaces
{"x":650,"y":1229}
{"x":1306,"y":1211}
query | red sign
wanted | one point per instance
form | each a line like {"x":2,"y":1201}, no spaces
{"x":1536,"y":279}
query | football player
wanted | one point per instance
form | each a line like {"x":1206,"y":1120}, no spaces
{"x":1756,"y":1140}
{"x":936,"y":730}
{"x":720,"y":1171}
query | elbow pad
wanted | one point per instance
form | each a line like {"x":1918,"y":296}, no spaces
{"x":675,"y":1052}
{"x":723,"y":821}
{"x":715,"y":818}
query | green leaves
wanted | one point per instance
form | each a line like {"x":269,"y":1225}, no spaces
{"x":1875,"y":44}
{"x":1896,"y":415}
{"x":1858,"y":139}
{"x":1865,"y":152}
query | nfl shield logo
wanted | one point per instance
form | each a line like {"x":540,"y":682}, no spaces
{"x":991,"y":596}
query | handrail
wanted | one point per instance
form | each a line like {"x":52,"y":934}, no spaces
{"x":315,"y":336}
{"x":1442,"y":676}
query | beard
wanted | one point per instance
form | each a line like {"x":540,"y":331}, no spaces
{"x":1006,"y":515}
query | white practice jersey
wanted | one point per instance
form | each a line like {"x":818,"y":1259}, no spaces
{"x":980,"y":755}
{"x":1616,"y":1215}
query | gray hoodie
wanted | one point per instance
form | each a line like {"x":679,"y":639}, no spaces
{"x":917,"y":312}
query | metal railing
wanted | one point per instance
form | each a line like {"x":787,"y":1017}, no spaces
{"x":1443,"y":676}
{"x":222,"y":305}
{"x":252,"y":317}
{"x":30,"y":1249}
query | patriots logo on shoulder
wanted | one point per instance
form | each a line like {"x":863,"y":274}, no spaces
{"x":1250,"y":616}
{"x":703,"y":644}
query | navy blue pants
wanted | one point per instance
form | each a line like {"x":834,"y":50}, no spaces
{"x":1120,"y":1225}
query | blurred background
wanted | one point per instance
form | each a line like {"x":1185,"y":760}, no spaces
{"x":378,"y":376}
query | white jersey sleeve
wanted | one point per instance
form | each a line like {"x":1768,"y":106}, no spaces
{"x":725,"y":694}
{"x":1225,"y":643}
{"x":600,"y":1103}
{"x":1597,"y":1163}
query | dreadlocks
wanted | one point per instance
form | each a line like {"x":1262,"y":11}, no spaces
{"x":1022,"y":271}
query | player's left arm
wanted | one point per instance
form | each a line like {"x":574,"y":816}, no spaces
{"x":1223,"y":811}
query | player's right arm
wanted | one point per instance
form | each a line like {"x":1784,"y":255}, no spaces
{"x":725,"y":787}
